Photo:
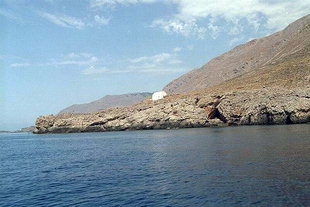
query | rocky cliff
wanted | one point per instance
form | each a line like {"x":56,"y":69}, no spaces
{"x":244,"y":58}
{"x":275,"y":94}
{"x":278,"y":92}
{"x":242,"y":107}
{"x":107,"y":102}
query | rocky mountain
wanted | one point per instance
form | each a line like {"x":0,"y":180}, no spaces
{"x":108,"y":101}
{"x":244,"y":58}
{"x":26,"y":129}
{"x":239,"y":107}
{"x":277,"y":92}
{"x":4,"y":131}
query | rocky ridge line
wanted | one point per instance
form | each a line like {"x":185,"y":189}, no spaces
{"x":245,"y":58}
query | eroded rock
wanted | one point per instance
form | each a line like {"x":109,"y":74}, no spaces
{"x":248,"y":107}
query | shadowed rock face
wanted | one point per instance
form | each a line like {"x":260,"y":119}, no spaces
{"x":244,"y":58}
{"x":107,"y":102}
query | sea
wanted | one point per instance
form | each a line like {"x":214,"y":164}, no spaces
{"x":232,"y":166}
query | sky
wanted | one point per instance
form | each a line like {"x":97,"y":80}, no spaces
{"x":55,"y":53}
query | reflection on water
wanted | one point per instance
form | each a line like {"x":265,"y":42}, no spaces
{"x":236,"y":166}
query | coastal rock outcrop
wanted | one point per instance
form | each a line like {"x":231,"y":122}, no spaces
{"x":275,"y":91}
{"x":247,"y":107}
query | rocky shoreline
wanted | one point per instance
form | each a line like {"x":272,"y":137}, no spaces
{"x":264,"y":81}
{"x":239,"y":107}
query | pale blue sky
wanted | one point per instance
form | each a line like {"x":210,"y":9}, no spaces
{"x":57,"y":53}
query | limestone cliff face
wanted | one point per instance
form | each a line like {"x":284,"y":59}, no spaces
{"x":263,"y":106}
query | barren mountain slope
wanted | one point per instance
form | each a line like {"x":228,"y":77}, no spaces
{"x":275,"y":91}
{"x":107,"y":102}
{"x":289,"y":72}
{"x":245,"y":58}
{"x":275,"y":94}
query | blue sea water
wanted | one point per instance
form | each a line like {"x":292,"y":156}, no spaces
{"x":234,"y":166}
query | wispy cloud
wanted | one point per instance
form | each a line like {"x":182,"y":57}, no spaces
{"x":158,"y":59}
{"x":14,"y":65}
{"x":100,"y":3}
{"x":73,"y":62}
{"x":158,"y":63}
{"x":167,"y":58}
{"x":177,"y":49}
{"x":73,"y":22}
{"x":101,"y":20}
{"x":63,"y":20}
{"x":93,"y":70}
{"x":9,"y":14}
{"x":273,"y":15}
{"x":12,"y":58}
{"x":187,"y":28}
{"x":77,"y":59}
{"x":166,"y":62}
{"x":258,"y":14}
{"x":50,"y":1}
